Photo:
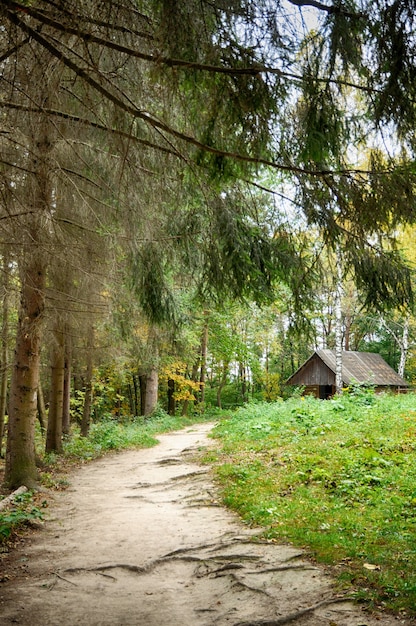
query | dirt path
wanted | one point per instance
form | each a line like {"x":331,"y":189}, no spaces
{"x":139,"y":540}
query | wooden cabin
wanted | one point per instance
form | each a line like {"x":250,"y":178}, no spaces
{"x":317,"y":374}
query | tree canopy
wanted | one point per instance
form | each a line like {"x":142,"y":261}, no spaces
{"x":190,"y":97}
{"x":157,"y":147}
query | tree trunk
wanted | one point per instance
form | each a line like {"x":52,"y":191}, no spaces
{"x":152,"y":384}
{"x":66,"y":409}
{"x":404,"y":347}
{"x":4,"y":347}
{"x":338,"y":326}
{"x":42,"y":416}
{"x":171,"y":397}
{"x":194,"y":378}
{"x":142,"y":385}
{"x":86,"y":413}
{"x":222,"y":383}
{"x":204,"y":350}
{"x":54,"y":430}
{"x":135,"y":395}
{"x":243,"y":381}
{"x":130,"y":393}
{"x":20,"y":456}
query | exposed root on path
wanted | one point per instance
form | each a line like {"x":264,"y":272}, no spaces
{"x":241,"y":584}
{"x":292,"y":617}
{"x":236,"y":540}
{"x":170,"y":461}
{"x":137,"y":569}
{"x":186,"y":476}
{"x":283,"y":568}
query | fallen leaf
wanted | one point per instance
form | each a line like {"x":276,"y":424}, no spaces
{"x":371,"y":566}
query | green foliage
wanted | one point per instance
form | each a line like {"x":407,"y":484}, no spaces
{"x":109,"y":434}
{"x":77,"y":404}
{"x":337,"y":476}
{"x":21,"y":513}
{"x":150,"y":281}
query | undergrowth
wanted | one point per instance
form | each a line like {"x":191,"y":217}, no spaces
{"x":23,"y":512}
{"x":337,"y":477}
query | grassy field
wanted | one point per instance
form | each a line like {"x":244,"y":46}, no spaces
{"x":337,"y":477}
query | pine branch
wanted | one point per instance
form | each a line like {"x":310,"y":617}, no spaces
{"x":331,"y":9}
{"x":254,"y":70}
{"x":13,"y":50}
{"x":86,"y":122}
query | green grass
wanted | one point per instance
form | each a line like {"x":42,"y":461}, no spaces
{"x":337,"y":477}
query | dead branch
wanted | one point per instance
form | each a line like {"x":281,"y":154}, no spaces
{"x":8,"y":500}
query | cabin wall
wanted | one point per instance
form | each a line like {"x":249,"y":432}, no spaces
{"x":322,"y":392}
{"x":314,"y":373}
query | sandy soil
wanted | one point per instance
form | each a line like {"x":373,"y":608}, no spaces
{"x":139,"y":539}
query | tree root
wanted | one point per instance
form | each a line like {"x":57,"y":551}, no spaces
{"x":195,"y":474}
{"x":217,"y":572}
{"x":170,"y":461}
{"x":224,"y":544}
{"x":283,"y":568}
{"x":137,"y":569}
{"x":237,"y":582}
{"x":64,"y":579}
{"x":292,"y":617}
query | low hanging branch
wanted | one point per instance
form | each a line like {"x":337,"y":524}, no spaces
{"x":157,"y":124}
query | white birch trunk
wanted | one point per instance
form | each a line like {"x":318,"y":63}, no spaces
{"x":404,"y":347}
{"x":338,"y":326}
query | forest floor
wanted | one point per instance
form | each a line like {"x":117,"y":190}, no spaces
{"x":141,"y":539}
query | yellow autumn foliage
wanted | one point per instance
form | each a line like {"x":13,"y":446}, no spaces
{"x":184,"y":387}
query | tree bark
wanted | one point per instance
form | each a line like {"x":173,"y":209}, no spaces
{"x":338,"y":326}
{"x":404,"y":347}
{"x":66,"y":409}
{"x":152,"y":384}
{"x":243,"y":381}
{"x":86,"y":413}
{"x":204,"y":350}
{"x":194,"y":378}
{"x":4,"y":347}
{"x":33,"y":262}
{"x":171,"y":397}
{"x":135,"y":395}
{"x":42,"y":416}
{"x":20,"y":456}
{"x":54,"y":430}
{"x":223,"y":381}
{"x":142,"y":385}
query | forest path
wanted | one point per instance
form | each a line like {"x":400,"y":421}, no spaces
{"x":139,"y":539}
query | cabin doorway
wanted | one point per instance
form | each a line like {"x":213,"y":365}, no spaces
{"x":326,"y":391}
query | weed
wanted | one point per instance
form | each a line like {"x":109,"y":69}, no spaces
{"x":21,"y":513}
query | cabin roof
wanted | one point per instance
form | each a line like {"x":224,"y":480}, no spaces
{"x":360,"y":367}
